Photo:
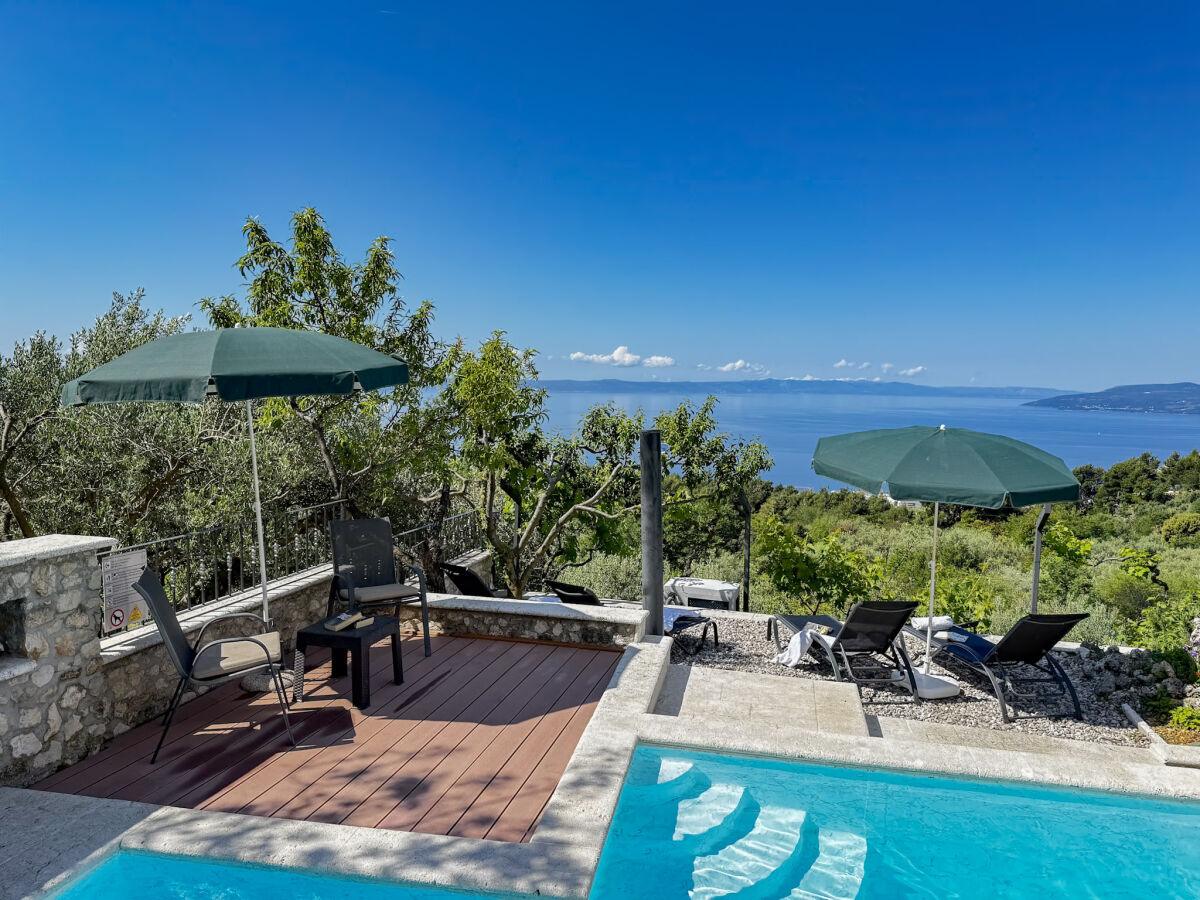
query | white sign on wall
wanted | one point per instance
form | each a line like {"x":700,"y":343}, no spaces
{"x":122,"y":604}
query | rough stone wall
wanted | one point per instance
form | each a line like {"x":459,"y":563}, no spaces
{"x":523,"y":627}
{"x":52,"y":676}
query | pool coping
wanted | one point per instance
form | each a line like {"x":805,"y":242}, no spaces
{"x":58,"y":837}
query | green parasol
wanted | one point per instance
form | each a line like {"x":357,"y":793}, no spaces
{"x":948,"y":465}
{"x":238,"y":364}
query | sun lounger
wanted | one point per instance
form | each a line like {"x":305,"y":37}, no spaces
{"x":867,"y":639}
{"x":1029,"y":642}
{"x":678,"y":619}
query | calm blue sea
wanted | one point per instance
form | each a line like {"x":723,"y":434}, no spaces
{"x":790,"y":424}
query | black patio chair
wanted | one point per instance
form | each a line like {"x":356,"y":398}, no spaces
{"x":573,"y":593}
{"x":869,"y":638}
{"x":213,"y":663}
{"x":469,"y":584}
{"x":366,"y":577}
{"x":1029,"y":642}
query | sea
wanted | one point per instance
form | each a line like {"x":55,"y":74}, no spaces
{"x":790,"y":424}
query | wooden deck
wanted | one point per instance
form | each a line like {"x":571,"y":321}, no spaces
{"x":472,"y":744}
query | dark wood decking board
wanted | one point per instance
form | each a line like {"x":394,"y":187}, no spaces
{"x":473,"y":743}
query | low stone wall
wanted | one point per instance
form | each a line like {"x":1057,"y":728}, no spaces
{"x":593,"y":626}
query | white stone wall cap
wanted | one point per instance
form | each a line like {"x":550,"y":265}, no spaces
{"x":49,"y":546}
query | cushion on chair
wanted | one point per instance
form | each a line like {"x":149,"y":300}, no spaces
{"x":381,"y":593}
{"x":226,"y":659}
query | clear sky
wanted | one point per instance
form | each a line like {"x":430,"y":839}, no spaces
{"x":998,"y":193}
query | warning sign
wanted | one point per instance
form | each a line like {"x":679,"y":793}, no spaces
{"x":122,"y":604}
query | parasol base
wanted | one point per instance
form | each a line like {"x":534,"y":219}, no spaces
{"x":935,"y":687}
{"x":262,"y":682}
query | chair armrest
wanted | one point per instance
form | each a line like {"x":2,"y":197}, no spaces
{"x":420,"y":573}
{"x":226,"y":618}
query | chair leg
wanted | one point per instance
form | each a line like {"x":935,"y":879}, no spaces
{"x":277,"y":679}
{"x":178,"y":695}
{"x":425,"y":624}
{"x":998,"y":689}
{"x":1064,"y":680}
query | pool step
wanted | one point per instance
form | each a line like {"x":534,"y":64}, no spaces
{"x":753,"y":859}
{"x":719,"y":817}
{"x":676,"y":784}
{"x":838,"y":870}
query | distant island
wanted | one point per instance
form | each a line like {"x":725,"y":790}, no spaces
{"x":793,"y":386}
{"x":1182,"y":398}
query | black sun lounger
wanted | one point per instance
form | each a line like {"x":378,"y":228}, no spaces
{"x":868,"y":639}
{"x":1028,"y":643}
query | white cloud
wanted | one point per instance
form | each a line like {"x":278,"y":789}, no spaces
{"x":658,"y":362}
{"x":810,"y":378}
{"x":619,"y":357}
{"x":887,"y":367}
{"x":742,"y":366}
{"x":842,"y":364}
{"x":864,"y":365}
{"x":909,"y":373}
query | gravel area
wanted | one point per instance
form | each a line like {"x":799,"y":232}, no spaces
{"x":744,"y":647}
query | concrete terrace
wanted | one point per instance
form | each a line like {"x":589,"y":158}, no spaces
{"x":472,"y":744}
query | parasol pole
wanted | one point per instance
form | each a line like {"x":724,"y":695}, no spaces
{"x":932,"y":590}
{"x":262,"y":548}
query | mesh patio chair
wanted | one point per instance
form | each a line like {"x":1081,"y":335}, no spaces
{"x":213,"y":663}
{"x":1029,"y":642}
{"x":869,"y":638}
{"x":365,"y":571}
{"x":573,"y":593}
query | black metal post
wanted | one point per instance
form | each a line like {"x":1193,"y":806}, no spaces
{"x":747,"y":511}
{"x":652,"y":530}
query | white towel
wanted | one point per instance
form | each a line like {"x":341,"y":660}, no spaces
{"x":940,"y":623}
{"x":797,"y":647}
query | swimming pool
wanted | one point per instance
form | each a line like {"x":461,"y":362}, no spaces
{"x":698,"y":825}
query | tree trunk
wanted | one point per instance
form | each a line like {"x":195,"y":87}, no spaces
{"x":14,"y":504}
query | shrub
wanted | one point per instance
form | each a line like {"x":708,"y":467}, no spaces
{"x":1181,"y":528}
{"x":1160,"y":706}
{"x":1185,"y":717}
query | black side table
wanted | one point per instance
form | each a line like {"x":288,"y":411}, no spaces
{"x":357,"y":642}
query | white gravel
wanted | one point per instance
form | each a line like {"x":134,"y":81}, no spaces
{"x":744,"y":647}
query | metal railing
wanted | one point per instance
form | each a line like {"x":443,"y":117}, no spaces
{"x":203,"y":566}
{"x":460,"y":533}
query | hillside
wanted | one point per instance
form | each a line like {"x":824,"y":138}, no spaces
{"x":1183,"y":397}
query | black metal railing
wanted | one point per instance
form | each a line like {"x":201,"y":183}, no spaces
{"x":203,"y":566}
{"x":458,"y":534}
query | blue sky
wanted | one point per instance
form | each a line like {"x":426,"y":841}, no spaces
{"x":1004,"y":194}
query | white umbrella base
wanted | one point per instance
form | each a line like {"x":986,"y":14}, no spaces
{"x":935,"y":687}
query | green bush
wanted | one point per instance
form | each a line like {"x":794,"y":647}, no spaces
{"x":1160,"y":706}
{"x":1180,"y":661}
{"x":1185,"y":717}
{"x":1181,"y":528}
{"x":611,"y":576}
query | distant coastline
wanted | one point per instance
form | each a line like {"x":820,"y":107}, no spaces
{"x":796,"y":386}
{"x":1181,"y":398}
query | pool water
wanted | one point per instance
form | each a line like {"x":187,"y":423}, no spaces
{"x":699,"y":825}
{"x":152,"y":877}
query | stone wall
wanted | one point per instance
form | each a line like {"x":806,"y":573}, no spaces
{"x":50,"y":668}
{"x":593,"y":626}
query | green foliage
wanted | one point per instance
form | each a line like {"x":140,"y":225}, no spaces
{"x":1185,"y":717}
{"x":821,"y":574}
{"x":1058,"y":538}
{"x":1163,"y":626}
{"x":1181,"y":528}
{"x":966,"y":596}
{"x":1159,"y":706}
